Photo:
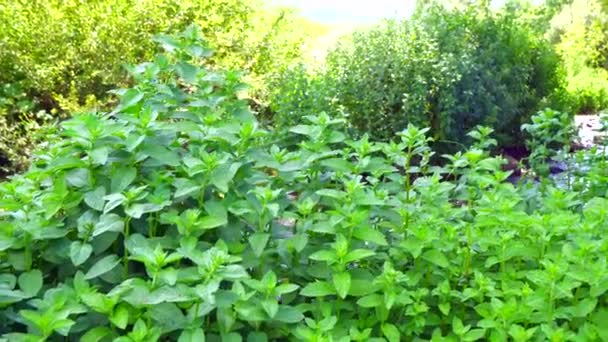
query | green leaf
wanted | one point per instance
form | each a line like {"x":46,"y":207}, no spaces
{"x":139,"y":209}
{"x":95,"y":198}
{"x":169,"y":317}
{"x":133,"y":141}
{"x":225,"y":299}
{"x":222,"y":175}
{"x":299,"y":242}
{"x":445,"y":308}
{"x":186,"y":188}
{"x":97,"y":334}
{"x":257,"y":337}
{"x":130,"y":98}
{"x":99,"y":156}
{"x":114,"y":200}
{"x":338,"y":164}
{"x":210,"y":222}
{"x":391,"y":332}
{"x":269,"y":280}
{"x":78,"y":178}
{"x":231,"y":337}
{"x":108,"y":223}
{"x":318,"y":289}
{"x":369,"y":234}
{"x":342,"y":283}
{"x":140,"y":330}
{"x":168,"y":42}
{"x":80,"y":252}
{"x":8,"y":281}
{"x":30,"y":282}
{"x":474,"y":335}
{"x":326,"y":255}
{"x":370,"y":301}
{"x":328,"y":323}
{"x":249,"y":311}
{"x":270,"y":306}
{"x":584,"y":307}
{"x":161,"y":154}
{"x":413,"y":246}
{"x":332,"y":193}
{"x":459,"y":328}
{"x":187,"y":71}
{"x":436,"y":257}
{"x":122,"y":177}
{"x":102,"y":266}
{"x":358,"y":254}
{"x":233,"y":272}
{"x":169,"y":294}
{"x":192,"y":335}
{"x":289,"y":314}
{"x":304,"y":130}
{"x":258,"y":242}
{"x":285,"y":288}
{"x":362,"y":287}
{"x":120,"y":316}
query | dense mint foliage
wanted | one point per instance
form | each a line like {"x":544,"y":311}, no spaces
{"x":176,"y":217}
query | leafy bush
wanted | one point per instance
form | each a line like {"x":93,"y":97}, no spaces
{"x":450,"y":70}
{"x":548,"y":132}
{"x":299,"y":91}
{"x":20,"y":128}
{"x":87,"y":43}
{"x":176,"y":217}
{"x":67,"y":54}
{"x":583,"y":46}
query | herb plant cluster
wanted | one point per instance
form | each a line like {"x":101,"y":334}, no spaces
{"x":176,"y":217}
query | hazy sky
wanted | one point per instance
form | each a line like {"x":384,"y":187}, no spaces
{"x":354,"y":11}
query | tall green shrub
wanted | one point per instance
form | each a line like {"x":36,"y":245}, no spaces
{"x":583,"y":45}
{"x":298,"y":91}
{"x":447,"y":69}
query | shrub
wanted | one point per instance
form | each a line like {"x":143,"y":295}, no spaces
{"x":450,"y":70}
{"x":549,"y":133}
{"x":86,"y":44}
{"x":66,"y":55}
{"x":20,"y":128}
{"x":583,"y":48}
{"x":175,"y":217}
{"x":299,"y":91}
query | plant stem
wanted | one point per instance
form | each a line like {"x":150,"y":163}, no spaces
{"x":125,"y":253}
{"x":196,"y":308}
{"x":28,"y":252}
{"x":407,"y":187}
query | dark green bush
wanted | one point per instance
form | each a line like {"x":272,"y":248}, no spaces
{"x":176,"y":218}
{"x":450,"y":70}
{"x":20,"y":128}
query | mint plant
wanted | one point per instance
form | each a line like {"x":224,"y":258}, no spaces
{"x":551,"y":134}
{"x":177,"y":217}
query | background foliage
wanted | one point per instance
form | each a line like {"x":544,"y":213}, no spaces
{"x":449,"y":69}
{"x":66,"y":55}
{"x":580,"y":33}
